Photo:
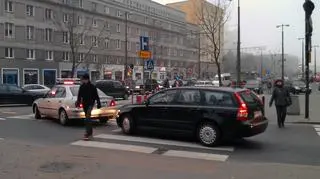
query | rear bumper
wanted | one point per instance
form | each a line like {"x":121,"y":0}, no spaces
{"x":109,"y":112}
{"x":249,"y":129}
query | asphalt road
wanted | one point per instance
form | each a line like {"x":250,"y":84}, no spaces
{"x":44,"y":149}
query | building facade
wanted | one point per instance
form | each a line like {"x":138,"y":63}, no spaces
{"x":42,"y":40}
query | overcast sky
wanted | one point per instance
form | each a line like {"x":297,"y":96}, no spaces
{"x":260,"y":17}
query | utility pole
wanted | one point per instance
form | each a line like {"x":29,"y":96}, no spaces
{"x":261,"y":64}
{"x":126,"y":47}
{"x":308,"y":7}
{"x":239,"y":49}
{"x":282,"y":51}
{"x":315,"y":59}
{"x":199,"y":55}
{"x":302,"y":56}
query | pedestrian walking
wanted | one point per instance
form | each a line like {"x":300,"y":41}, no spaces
{"x":166,"y":83}
{"x":269,"y":86}
{"x":87,"y":96}
{"x":281,"y":96}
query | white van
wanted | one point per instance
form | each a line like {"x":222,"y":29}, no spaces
{"x":225,"y":78}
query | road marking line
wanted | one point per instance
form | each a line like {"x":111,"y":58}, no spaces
{"x":316,"y":126}
{"x":196,"y":155}
{"x":318,"y":133}
{"x":2,"y":119}
{"x":317,"y":129}
{"x":113,"y":146}
{"x":161,"y":142}
{"x":8,"y":112}
{"x":21,"y":117}
{"x":1,"y":138}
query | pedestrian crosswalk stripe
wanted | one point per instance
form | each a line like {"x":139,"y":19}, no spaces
{"x":316,"y":126}
{"x":196,"y":155}
{"x":113,"y":146}
{"x":28,"y":116}
{"x":318,"y":133}
{"x":161,"y":142}
{"x":2,"y":119}
{"x":317,"y":129}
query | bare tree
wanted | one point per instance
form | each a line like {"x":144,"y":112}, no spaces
{"x":212,"y":19}
{"x":77,"y":28}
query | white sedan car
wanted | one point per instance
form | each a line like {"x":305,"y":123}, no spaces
{"x":59,"y":103}
{"x":36,"y":88}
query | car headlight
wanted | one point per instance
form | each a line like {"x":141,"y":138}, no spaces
{"x":296,"y":87}
{"x":138,"y":87}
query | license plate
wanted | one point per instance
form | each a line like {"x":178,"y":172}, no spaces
{"x":257,"y":114}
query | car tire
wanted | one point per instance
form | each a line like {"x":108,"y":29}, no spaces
{"x":37,"y":114}
{"x":63,"y":117}
{"x":209,"y":134}
{"x":125,"y":97}
{"x":127,"y":126}
{"x":103,"y":120}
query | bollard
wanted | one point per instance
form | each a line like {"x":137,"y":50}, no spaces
{"x":294,"y":108}
{"x":138,"y":99}
{"x":145,"y":97}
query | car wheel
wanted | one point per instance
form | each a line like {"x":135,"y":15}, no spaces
{"x":209,"y":134}
{"x":125,"y":97}
{"x":103,"y":120}
{"x":37,"y":114}
{"x":127,"y":126}
{"x":63,"y":117}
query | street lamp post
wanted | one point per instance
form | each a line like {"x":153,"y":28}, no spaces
{"x":282,"y":51}
{"x":315,"y":59}
{"x":239,"y":49}
{"x":302,"y":56}
{"x":126,"y":47}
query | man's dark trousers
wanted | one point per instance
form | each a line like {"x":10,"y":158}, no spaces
{"x":88,"y":123}
{"x":281,"y":115}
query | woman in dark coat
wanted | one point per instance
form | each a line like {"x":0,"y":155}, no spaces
{"x":281,"y":96}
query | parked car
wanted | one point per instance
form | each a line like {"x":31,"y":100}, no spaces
{"x":297,"y":87}
{"x":254,"y":85}
{"x":113,"y":88}
{"x":204,"y":84}
{"x":12,"y":94}
{"x":138,"y":87}
{"x":36,"y":88}
{"x":208,"y":114}
{"x":151,"y":85}
{"x":60,"y":103}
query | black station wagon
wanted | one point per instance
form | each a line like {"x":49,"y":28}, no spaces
{"x":207,"y":113}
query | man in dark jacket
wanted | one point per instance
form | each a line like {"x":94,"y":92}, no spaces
{"x":87,"y":96}
{"x":281,"y":96}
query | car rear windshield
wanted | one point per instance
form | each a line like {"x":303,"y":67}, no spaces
{"x":249,"y":97}
{"x":75,"y":90}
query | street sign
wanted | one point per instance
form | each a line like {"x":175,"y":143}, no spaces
{"x":145,"y":54}
{"x":149,"y":65}
{"x":144,"y":43}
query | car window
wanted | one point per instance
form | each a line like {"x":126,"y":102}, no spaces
{"x":189,"y":97}
{"x":38,"y":87}
{"x":117,"y":84}
{"x":249,"y":97}
{"x":15,"y":89}
{"x":75,"y":90}
{"x":27,"y":87}
{"x":217,"y":98}
{"x":165,"y":97}
{"x":61,"y":92}
{"x":3,"y":89}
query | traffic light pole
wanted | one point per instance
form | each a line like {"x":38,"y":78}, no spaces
{"x":126,"y":48}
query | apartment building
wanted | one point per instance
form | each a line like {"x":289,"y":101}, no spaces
{"x":41,"y":40}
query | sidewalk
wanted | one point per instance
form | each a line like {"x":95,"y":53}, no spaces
{"x":314,"y":114}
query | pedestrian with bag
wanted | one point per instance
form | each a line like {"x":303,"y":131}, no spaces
{"x":87,"y":96}
{"x":281,"y":96}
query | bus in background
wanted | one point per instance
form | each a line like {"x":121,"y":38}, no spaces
{"x":225,"y":78}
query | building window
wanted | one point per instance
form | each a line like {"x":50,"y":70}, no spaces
{"x":169,"y":51}
{"x":49,"y":14}
{"x":49,"y":55}
{"x":119,"y":13}
{"x":31,"y":76}
{"x":49,"y":77}
{"x":66,"y":37}
{"x":9,"y":53}
{"x":9,"y":30}
{"x":80,"y":20}
{"x":106,"y":43}
{"x":30,"y":32}
{"x":30,"y":10}
{"x":31,"y":54}
{"x":65,"y":56}
{"x":94,"y":23}
{"x":48,"y":33}
{"x":118,"y":28}
{"x":66,"y":2}
{"x":175,"y":53}
{"x":128,"y":30}
{"x":65,"y":18}
{"x":146,"y":20}
{"x":106,"y":9}
{"x":81,"y":57}
{"x":118,"y":44}
{"x":95,"y":58}
{"x":138,"y":31}
{"x":137,"y":46}
{"x":8,"y":6}
{"x":128,"y":46}
{"x":94,"y":41}
{"x":81,"y":3}
{"x":81,"y":39}
{"x":94,"y":6}
{"x":181,"y":53}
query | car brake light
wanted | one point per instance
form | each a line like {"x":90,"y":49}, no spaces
{"x":243,"y":109}
{"x":112,"y":103}
{"x":79,"y":106}
{"x":68,"y":82}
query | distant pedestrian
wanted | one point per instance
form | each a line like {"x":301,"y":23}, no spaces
{"x":281,"y":96}
{"x":166,"y":83}
{"x":87,"y":96}
{"x":269,"y":86}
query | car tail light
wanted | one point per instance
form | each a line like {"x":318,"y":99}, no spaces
{"x":243,"y":109}
{"x":112,"y":103}
{"x":79,"y":106}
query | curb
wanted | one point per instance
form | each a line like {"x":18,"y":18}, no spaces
{"x":305,"y":122}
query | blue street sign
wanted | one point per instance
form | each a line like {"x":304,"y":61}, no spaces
{"x":144,"y":43}
{"x":149,"y":64}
